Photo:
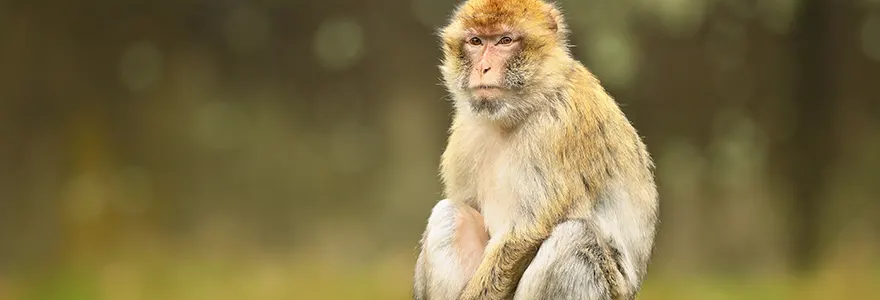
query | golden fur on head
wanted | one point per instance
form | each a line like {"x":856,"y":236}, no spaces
{"x":540,"y":64}
{"x":541,"y":21}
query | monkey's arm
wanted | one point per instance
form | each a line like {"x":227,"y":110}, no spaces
{"x":505,"y":258}
{"x":508,"y":254}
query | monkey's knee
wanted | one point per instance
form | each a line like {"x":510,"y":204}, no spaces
{"x":457,"y":229}
{"x":569,"y":265}
{"x":441,"y":219}
{"x":451,"y":248}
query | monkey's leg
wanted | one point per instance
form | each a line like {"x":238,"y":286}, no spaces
{"x":574,"y":263}
{"x":451,"y":249}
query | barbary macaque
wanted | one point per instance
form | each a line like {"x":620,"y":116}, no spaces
{"x":549,"y":190}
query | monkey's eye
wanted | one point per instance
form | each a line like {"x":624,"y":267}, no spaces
{"x":505,"y":40}
{"x":475,"y":41}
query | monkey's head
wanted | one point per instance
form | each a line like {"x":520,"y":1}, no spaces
{"x":501,"y":56}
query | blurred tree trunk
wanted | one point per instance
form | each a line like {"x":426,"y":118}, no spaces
{"x":811,"y":142}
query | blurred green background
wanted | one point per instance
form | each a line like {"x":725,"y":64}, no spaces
{"x":233,"y":149}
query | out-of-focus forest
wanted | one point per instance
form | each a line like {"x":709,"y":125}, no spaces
{"x":234,"y":149}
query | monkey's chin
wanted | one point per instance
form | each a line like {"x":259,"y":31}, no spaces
{"x":489,"y":102}
{"x":486,"y":106}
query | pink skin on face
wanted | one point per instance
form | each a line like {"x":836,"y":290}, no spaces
{"x":489,"y":51}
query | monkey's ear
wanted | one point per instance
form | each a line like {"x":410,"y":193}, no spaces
{"x":557,"y":21}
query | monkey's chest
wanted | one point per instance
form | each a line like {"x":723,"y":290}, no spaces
{"x":503,"y":187}
{"x":498,"y":214}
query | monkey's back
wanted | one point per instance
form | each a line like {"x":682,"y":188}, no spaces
{"x":617,"y":171}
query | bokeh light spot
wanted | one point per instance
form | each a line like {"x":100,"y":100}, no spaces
{"x":339,"y":43}
{"x":431,"y":13}
{"x":680,"y":18}
{"x":140,"y":66}
{"x":613,"y":56}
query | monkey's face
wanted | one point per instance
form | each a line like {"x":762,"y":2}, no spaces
{"x":489,"y":56}
{"x":495,"y":76}
{"x":498,"y":55}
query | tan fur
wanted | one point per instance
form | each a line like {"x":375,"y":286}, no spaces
{"x":560,"y":147}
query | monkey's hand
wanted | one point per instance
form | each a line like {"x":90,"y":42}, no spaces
{"x":502,"y":266}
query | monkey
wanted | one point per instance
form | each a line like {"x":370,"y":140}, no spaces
{"x":548,"y":189}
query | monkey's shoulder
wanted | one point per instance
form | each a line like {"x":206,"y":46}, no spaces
{"x":590,"y":149}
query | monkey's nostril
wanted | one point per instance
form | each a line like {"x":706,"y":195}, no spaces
{"x":486,"y":70}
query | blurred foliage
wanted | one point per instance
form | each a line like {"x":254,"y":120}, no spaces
{"x":273,"y":149}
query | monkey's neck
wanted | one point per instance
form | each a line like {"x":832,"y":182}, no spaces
{"x":511,"y":120}
{"x":504,"y":118}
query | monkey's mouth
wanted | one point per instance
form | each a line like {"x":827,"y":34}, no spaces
{"x":487,"y":92}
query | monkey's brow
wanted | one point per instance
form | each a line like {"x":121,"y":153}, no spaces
{"x":488,"y":33}
{"x":496,"y":29}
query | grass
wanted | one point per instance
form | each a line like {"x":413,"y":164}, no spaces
{"x":196,"y":279}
